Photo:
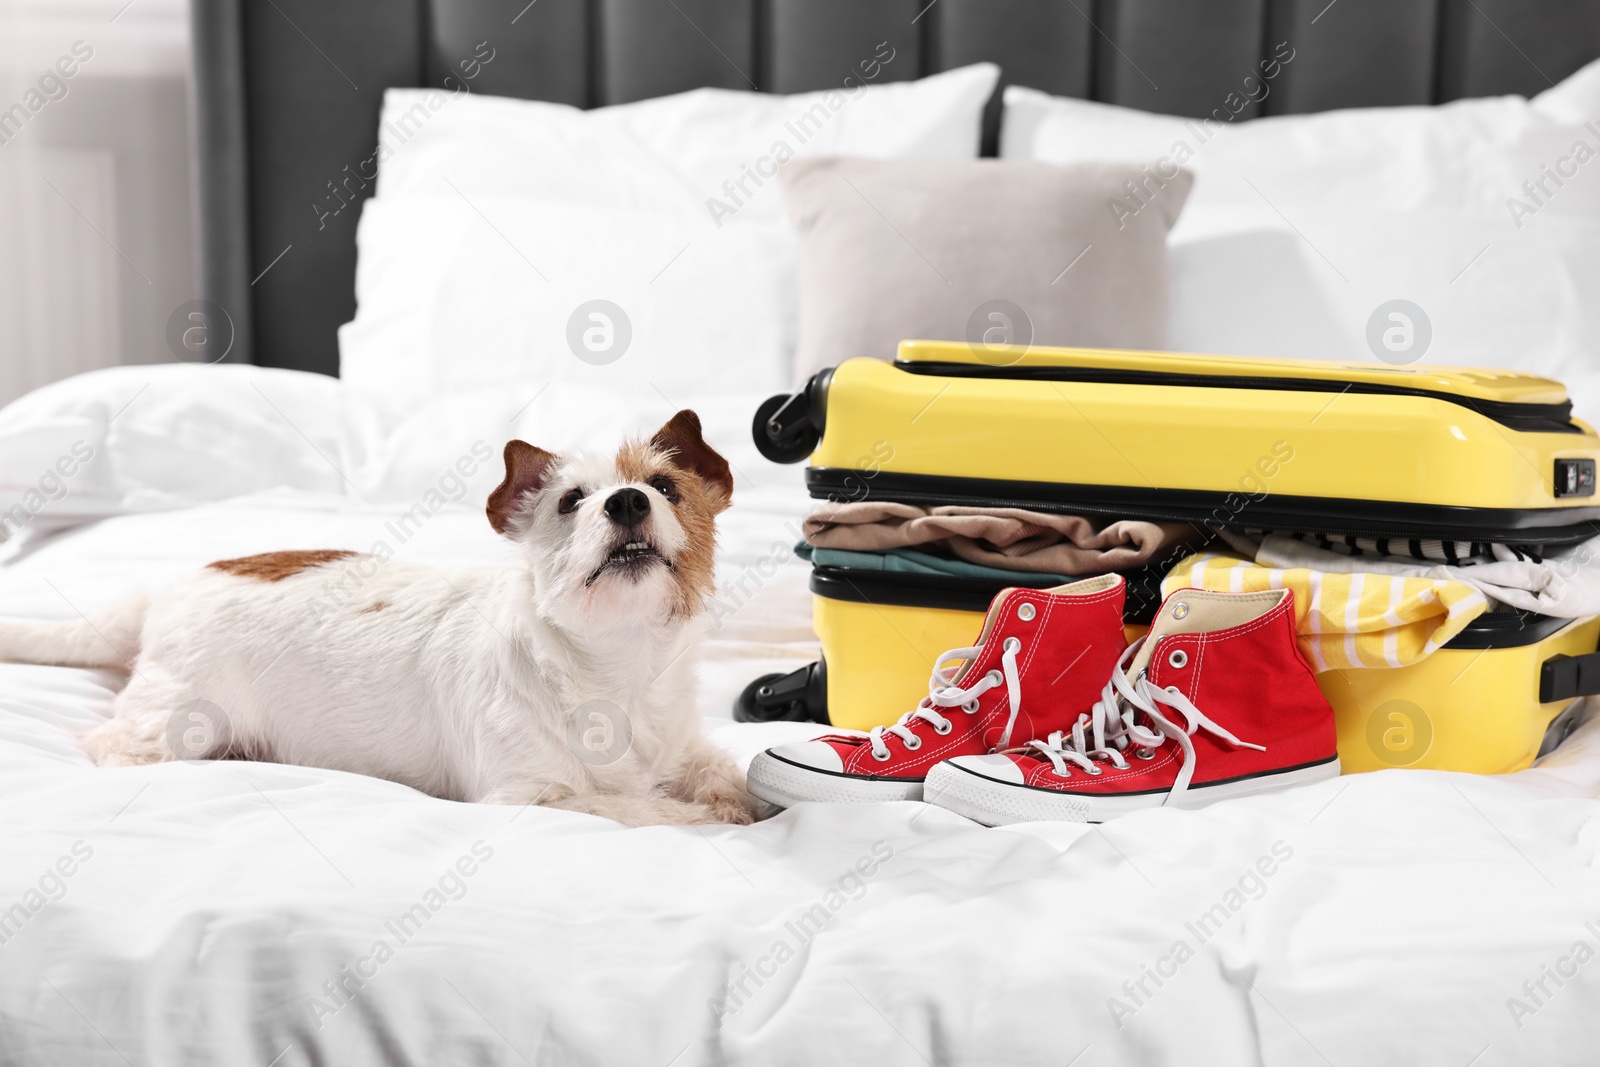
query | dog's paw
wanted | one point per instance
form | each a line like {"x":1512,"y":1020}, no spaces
{"x":729,"y":810}
{"x":727,"y":807}
{"x":737,"y":807}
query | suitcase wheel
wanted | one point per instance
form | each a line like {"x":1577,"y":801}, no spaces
{"x":788,"y":426}
{"x":801,"y":696}
{"x":790,"y":443}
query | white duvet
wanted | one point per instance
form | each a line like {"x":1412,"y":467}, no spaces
{"x":242,"y":913}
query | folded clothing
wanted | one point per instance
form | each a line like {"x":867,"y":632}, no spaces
{"x":916,"y":561}
{"x":1563,"y":582}
{"x":1007,"y":538}
{"x":1344,"y":620}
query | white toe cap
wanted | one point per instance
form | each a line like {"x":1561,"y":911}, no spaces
{"x":996,"y":768}
{"x":817,"y":755}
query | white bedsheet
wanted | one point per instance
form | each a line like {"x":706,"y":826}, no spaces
{"x":210,"y":905}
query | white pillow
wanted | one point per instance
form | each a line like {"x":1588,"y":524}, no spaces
{"x":1576,"y":99}
{"x":152,"y":438}
{"x":455,"y":296}
{"x":686,"y":152}
{"x":628,"y":204}
{"x":1300,"y":228}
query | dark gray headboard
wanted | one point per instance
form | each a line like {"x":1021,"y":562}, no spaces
{"x":288,"y":90}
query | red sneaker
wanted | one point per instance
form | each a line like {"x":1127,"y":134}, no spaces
{"x":1213,"y":664}
{"x":1038,"y":664}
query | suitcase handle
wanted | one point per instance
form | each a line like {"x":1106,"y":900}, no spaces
{"x":1566,"y":677}
{"x":788,"y":426}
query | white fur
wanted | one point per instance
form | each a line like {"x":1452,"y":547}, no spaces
{"x":463,"y":684}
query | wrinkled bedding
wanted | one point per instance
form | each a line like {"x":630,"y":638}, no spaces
{"x":247,"y":913}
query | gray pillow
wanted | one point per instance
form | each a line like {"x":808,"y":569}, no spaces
{"x":985,"y":251}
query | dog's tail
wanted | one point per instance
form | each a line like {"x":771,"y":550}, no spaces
{"x":109,"y":639}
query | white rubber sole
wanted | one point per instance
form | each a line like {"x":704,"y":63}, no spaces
{"x":993,"y":803}
{"x":777,"y":781}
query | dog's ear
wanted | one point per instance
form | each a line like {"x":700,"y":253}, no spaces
{"x":527,"y":469}
{"x":680,"y":437}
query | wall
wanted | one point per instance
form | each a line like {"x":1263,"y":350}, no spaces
{"x":97,"y":231}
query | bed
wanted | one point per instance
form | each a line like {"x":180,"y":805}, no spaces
{"x":238,"y":912}
{"x":233,"y":911}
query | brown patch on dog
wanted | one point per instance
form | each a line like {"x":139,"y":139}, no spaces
{"x":704,"y":488}
{"x":377,"y":605}
{"x":276,"y":566}
{"x":680,"y":439}
{"x":639,"y":461}
{"x":697,"y":508}
{"x":527,"y":469}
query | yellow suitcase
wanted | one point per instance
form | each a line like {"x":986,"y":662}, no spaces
{"x":1222,"y":442}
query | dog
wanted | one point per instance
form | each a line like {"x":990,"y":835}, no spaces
{"x":567,"y":683}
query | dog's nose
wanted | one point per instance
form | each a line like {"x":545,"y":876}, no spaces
{"x":627,"y":507}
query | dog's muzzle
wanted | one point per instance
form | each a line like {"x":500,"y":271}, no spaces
{"x":627,"y":507}
{"x":631,"y":558}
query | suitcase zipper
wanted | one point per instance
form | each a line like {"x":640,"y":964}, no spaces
{"x":1491,"y":630}
{"x":1526,"y":418}
{"x":1215,"y":510}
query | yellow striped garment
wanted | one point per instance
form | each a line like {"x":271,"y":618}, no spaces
{"x":1346,"y":620}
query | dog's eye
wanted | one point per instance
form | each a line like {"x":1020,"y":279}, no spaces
{"x":663,"y":485}
{"x":570,"y":501}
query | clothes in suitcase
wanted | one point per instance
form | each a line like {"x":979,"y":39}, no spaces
{"x":1397,"y":454}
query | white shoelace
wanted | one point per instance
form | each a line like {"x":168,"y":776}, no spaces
{"x":944,"y":693}
{"x":1113,"y":727}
